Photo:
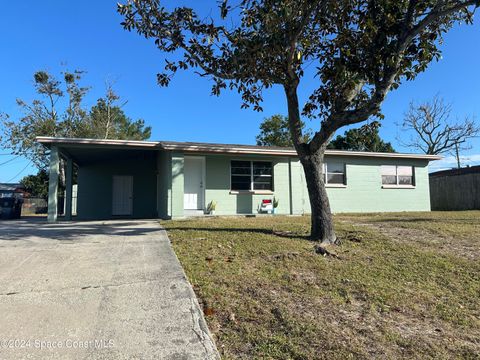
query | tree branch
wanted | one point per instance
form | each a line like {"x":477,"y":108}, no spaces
{"x":432,"y":17}
{"x":342,"y":118}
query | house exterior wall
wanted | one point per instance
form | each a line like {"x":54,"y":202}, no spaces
{"x":164,"y":184}
{"x":158,"y":186}
{"x":94,"y":197}
{"x":363,"y":192}
{"x":218,"y":186}
{"x":176,"y":193}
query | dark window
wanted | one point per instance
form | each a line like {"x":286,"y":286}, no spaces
{"x":241,"y":175}
{"x":248,"y":175}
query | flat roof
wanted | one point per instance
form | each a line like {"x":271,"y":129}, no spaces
{"x":200,"y":147}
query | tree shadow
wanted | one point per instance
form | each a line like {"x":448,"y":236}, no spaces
{"x":415,"y":220}
{"x":29,"y":228}
{"x":281,"y":234}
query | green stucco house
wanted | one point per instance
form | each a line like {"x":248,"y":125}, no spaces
{"x":143,"y":179}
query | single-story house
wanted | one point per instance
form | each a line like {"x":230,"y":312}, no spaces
{"x":165,"y":179}
{"x":15,"y":188}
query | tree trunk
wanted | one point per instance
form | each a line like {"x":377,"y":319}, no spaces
{"x":322,"y":223}
{"x":321,"y":216}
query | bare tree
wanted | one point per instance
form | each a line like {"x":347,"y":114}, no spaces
{"x":433,"y":130}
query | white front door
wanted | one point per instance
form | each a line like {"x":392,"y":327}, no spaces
{"x":122,"y":195}
{"x":194,"y":173}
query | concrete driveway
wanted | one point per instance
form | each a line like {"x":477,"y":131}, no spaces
{"x":102,"y":290}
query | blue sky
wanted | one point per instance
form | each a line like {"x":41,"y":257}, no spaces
{"x":57,"y":34}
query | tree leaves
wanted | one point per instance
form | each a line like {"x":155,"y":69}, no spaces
{"x":361,"y":49}
{"x":365,"y":138}
{"x":274,"y":131}
{"x":46,"y":117}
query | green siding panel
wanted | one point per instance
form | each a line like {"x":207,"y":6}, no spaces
{"x":300,"y":201}
{"x":176,"y":192}
{"x":159,"y":186}
{"x":364,"y":192}
{"x":218,"y":186}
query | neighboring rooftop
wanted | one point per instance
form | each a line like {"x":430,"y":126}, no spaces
{"x":461,"y":171}
{"x":215,"y":148}
{"x":10,"y":186}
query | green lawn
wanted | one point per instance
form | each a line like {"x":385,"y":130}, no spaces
{"x":403,"y":285}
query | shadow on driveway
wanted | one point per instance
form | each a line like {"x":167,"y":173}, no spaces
{"x":38,"y":227}
{"x":117,"y":289}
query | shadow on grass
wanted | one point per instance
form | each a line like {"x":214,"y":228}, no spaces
{"x":282,"y":234}
{"x":417,"y":220}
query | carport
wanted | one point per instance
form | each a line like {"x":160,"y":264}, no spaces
{"x":116,"y":179}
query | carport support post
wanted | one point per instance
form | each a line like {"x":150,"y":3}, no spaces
{"x":68,"y":189}
{"x":53,"y":184}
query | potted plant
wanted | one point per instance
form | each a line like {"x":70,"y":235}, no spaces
{"x":212,"y":205}
{"x":275,"y":204}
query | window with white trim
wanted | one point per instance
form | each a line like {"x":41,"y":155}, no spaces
{"x":395,"y":175}
{"x":334,"y":173}
{"x":251,"y":175}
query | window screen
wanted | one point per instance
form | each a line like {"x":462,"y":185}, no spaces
{"x":389,"y":175}
{"x":405,"y":175}
{"x":335,"y":173}
{"x":397,"y":175}
{"x":262,"y":176}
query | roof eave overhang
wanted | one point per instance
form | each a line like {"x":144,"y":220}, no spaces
{"x":229,"y":150}
{"x":49,"y":141}
{"x":289,"y":152}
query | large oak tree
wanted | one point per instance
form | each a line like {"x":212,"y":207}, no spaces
{"x":360,"y":50}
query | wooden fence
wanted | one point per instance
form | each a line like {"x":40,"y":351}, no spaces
{"x":457,"y":189}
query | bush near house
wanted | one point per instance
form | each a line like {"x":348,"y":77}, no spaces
{"x":403,"y":285}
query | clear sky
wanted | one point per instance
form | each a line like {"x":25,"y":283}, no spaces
{"x":58,"y":34}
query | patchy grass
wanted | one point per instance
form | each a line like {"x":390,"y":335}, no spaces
{"x":453,"y":232}
{"x":389,"y":294}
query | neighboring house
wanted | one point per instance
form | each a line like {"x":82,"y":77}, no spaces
{"x":10,"y":188}
{"x":141,"y":179}
{"x":11,"y":200}
{"x":456,"y":189}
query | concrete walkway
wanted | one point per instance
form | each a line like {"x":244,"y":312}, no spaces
{"x":96,"y":290}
